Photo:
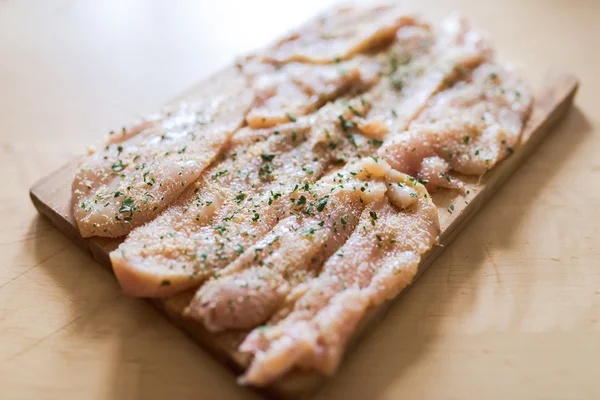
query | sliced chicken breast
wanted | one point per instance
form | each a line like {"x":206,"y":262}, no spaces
{"x":467,"y":128}
{"x":340,"y":34}
{"x":234,"y":204}
{"x":145,"y":168}
{"x":378,"y":260}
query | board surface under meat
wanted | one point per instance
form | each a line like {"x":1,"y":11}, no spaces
{"x":296,"y":196}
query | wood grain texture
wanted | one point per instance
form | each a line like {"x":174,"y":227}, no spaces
{"x":509,"y":310}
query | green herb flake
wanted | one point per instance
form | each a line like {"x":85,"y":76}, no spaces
{"x":267,"y":157}
{"x":376,"y":142}
{"x":301,"y":201}
{"x":397,"y":84}
{"x":354,"y":111}
{"x":118,"y":166}
{"x":148,"y":180}
{"x":373,"y":215}
{"x":220,"y":173}
{"x":322,"y":203}
{"x":127,"y":206}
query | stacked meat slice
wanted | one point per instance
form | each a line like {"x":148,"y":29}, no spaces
{"x":295,"y":197}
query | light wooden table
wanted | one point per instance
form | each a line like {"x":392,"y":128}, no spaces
{"x":510,"y":310}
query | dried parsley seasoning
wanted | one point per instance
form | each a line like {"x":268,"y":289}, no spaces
{"x":218,"y":174}
{"x":240,"y":197}
{"x":128,"y":205}
{"x":267,"y":157}
{"x":118,"y":166}
{"x":266,"y":168}
{"x":345,"y":124}
{"x":354,"y":111}
{"x":239,"y":249}
{"x":273,"y":197}
{"x":376,"y":142}
{"x":373,"y":216}
{"x":148,"y":180}
{"x":322,"y":203}
{"x":301,"y":201}
{"x":397,"y":84}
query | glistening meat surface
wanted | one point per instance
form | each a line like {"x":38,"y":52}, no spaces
{"x":145,"y":167}
{"x":378,"y":260}
{"x":319,"y":220}
{"x":233,"y":205}
{"x":467,"y":128}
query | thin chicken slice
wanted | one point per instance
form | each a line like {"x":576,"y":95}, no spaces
{"x":285,"y":93}
{"x":379,"y":260}
{"x":419,"y":64}
{"x":467,"y":128}
{"x":340,"y":34}
{"x":146,"y":167}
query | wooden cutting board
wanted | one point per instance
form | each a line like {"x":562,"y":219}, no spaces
{"x":52,"y":198}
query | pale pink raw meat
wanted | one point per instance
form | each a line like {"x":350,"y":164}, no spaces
{"x":145,"y":168}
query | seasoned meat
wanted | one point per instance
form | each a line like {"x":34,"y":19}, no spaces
{"x":340,"y":34}
{"x":467,"y":128}
{"x":379,"y":259}
{"x":320,"y":219}
{"x":144,"y":168}
{"x":287,"y":92}
{"x":235,"y":203}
